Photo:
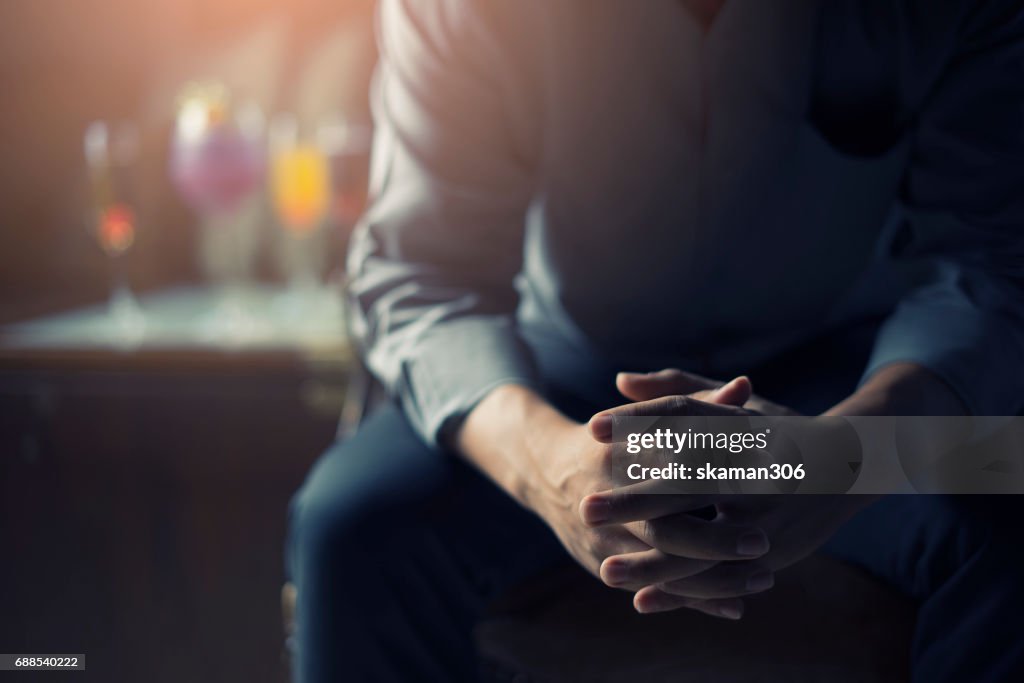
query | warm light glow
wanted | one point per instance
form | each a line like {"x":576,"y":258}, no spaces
{"x":201,"y":106}
{"x":116,"y":228}
{"x":300,"y":187}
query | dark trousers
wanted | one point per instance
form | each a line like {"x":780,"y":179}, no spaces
{"x":396,"y":550}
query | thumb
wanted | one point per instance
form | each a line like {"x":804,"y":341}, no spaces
{"x":735,"y":392}
{"x":644,"y":386}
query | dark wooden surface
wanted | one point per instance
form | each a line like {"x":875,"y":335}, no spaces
{"x":143,"y":498}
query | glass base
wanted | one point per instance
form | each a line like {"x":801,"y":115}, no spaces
{"x":232,"y":321}
{"x":128,"y":323}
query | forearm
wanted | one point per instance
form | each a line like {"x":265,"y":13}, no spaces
{"x":901,"y":389}
{"x":508,"y":436}
{"x":512,"y":435}
{"x":897,"y":389}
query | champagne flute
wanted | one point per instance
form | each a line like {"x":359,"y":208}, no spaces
{"x":112,"y":155}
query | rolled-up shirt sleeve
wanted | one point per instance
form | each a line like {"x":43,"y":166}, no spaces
{"x":432,"y":265}
{"x":964,"y":205}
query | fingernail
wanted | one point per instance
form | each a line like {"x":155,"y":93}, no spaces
{"x":596,"y":511}
{"x":601,"y":426}
{"x":761,"y":581}
{"x":615,"y":573}
{"x":731,"y":611}
{"x":752,"y":544}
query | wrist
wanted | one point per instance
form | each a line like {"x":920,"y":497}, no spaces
{"x":508,"y":436}
{"x":902,"y":389}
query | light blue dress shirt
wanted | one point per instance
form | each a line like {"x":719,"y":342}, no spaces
{"x":565,"y":188}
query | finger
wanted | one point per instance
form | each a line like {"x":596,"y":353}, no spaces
{"x":644,"y":387}
{"x":645,"y":500}
{"x":650,"y":599}
{"x":638,"y":386}
{"x":736,"y":392}
{"x":602,"y":424}
{"x":649,"y":567}
{"x":690,"y":536}
{"x":722,"y":581}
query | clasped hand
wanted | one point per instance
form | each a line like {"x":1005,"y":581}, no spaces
{"x":703,"y":552}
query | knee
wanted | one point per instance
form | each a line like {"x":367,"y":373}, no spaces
{"x":320,"y":524}
{"x":354,"y":506}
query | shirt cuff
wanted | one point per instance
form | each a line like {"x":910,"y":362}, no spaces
{"x":976,"y":352}
{"x":454,"y":366}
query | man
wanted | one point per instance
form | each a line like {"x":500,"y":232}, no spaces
{"x":825,"y":196}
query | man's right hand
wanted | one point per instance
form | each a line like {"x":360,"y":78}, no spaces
{"x":577,"y":466}
{"x":550,"y":464}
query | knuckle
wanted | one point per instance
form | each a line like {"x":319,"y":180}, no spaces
{"x":679,"y":404}
{"x":651,"y":531}
{"x":638,"y":576}
{"x":619,"y":502}
{"x":657,"y":568}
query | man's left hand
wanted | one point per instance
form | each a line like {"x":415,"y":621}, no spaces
{"x":795,"y":525}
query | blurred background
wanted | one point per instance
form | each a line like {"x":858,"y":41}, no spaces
{"x":178,"y":181}
{"x":67,"y":63}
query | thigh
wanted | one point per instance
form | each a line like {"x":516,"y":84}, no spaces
{"x":918,"y":543}
{"x":396,"y":549}
{"x":960,"y":557}
{"x":385,"y":487}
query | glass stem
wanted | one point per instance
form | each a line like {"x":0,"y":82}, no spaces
{"x":119,"y":291}
{"x":123,"y":306}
